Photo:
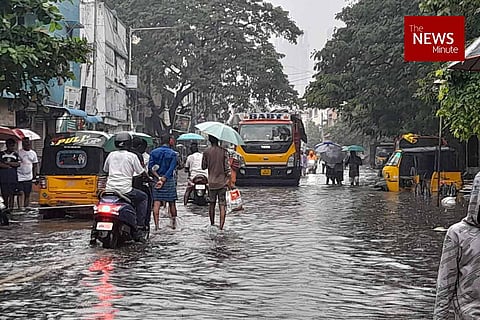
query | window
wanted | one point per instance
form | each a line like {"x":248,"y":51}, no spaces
{"x":266,"y":132}
{"x":71,"y":159}
{"x":394,"y":159}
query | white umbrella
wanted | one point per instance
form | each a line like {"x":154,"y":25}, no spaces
{"x":27,"y":133}
{"x":472,"y":58}
{"x":221,"y":132}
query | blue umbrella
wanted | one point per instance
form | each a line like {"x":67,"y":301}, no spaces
{"x":221,"y":132}
{"x":190,"y":136}
{"x":331,"y":153}
{"x":355,"y":148}
{"x":326,"y":146}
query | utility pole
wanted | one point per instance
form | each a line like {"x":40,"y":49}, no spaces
{"x":438,"y":83}
{"x":94,"y":69}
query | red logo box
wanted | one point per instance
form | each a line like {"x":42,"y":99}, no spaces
{"x":434,"y":38}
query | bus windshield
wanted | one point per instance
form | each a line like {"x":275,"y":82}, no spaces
{"x":266,"y":132}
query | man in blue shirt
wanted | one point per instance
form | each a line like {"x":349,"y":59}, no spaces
{"x":165,"y":189}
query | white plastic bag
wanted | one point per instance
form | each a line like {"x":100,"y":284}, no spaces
{"x":234,"y":200}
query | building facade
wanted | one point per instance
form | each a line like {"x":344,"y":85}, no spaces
{"x":107,"y":71}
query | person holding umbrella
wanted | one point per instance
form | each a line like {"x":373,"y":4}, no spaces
{"x":353,"y":162}
{"x":215,"y":159}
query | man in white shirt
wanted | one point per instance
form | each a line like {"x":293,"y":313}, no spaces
{"x":26,"y":172}
{"x":193,"y":164}
{"x":121,"y":167}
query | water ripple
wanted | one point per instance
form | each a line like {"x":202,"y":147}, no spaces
{"x":313,"y":252}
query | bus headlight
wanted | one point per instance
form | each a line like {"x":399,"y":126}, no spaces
{"x":291,"y":161}
{"x":242,"y":162}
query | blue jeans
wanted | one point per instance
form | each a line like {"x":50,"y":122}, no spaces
{"x":140,"y":201}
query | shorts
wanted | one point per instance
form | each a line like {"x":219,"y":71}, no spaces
{"x":220,"y":194}
{"x":24,"y":186}
{"x":8,"y":189}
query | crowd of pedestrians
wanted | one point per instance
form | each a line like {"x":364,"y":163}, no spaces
{"x":333,"y":171}
{"x":18,"y":172}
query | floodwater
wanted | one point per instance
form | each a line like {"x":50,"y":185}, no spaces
{"x":312,"y":252}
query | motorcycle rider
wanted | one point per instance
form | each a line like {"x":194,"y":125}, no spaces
{"x":121,"y":166}
{"x":193,"y":166}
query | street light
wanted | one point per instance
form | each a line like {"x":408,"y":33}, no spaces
{"x":438,"y":83}
{"x":130,"y":35}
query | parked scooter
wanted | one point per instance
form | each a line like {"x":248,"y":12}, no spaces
{"x":3,"y":213}
{"x":197,"y":191}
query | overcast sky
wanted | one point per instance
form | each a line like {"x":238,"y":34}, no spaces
{"x":317,"y":19}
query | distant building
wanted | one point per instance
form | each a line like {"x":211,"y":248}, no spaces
{"x":321,"y":117}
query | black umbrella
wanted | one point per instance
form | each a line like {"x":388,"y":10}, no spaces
{"x":472,"y":58}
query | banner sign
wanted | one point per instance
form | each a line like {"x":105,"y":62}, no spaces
{"x":434,"y":38}
{"x":78,"y":139}
{"x":267,"y":116}
{"x":182,"y":123}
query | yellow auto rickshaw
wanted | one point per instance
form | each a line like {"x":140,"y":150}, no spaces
{"x":71,"y":172}
{"x":411,"y":166}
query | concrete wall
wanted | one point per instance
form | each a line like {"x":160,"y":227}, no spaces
{"x":7,"y":117}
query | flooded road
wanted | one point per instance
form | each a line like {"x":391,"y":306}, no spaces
{"x":312,"y":252}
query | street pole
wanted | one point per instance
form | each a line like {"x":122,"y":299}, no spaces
{"x":438,"y":83}
{"x":94,"y":55}
{"x":130,"y":34}
{"x":439,"y":159}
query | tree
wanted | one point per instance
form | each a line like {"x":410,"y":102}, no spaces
{"x":314,"y":133}
{"x":218,"y":48}
{"x":460,"y":92}
{"x":342,"y":133}
{"x":361,"y":72}
{"x":29,"y":55}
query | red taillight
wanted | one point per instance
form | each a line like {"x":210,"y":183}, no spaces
{"x":108,"y":208}
{"x":43,"y":182}
{"x":101,"y":183}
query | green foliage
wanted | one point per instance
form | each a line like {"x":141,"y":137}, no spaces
{"x":314,"y":133}
{"x":344,"y":134}
{"x":470,"y":9}
{"x":29,"y":56}
{"x":361,"y":72}
{"x":459,"y":94}
{"x":219,"y":48}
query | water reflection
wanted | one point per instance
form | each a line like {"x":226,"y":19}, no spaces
{"x":106,"y":292}
{"x":312,"y":252}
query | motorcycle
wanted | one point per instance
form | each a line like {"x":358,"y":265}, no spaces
{"x":197,"y":191}
{"x":114,"y":217}
{"x":3,"y":213}
{"x":114,"y":220}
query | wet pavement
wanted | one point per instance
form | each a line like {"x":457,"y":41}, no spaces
{"x":312,"y":252}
